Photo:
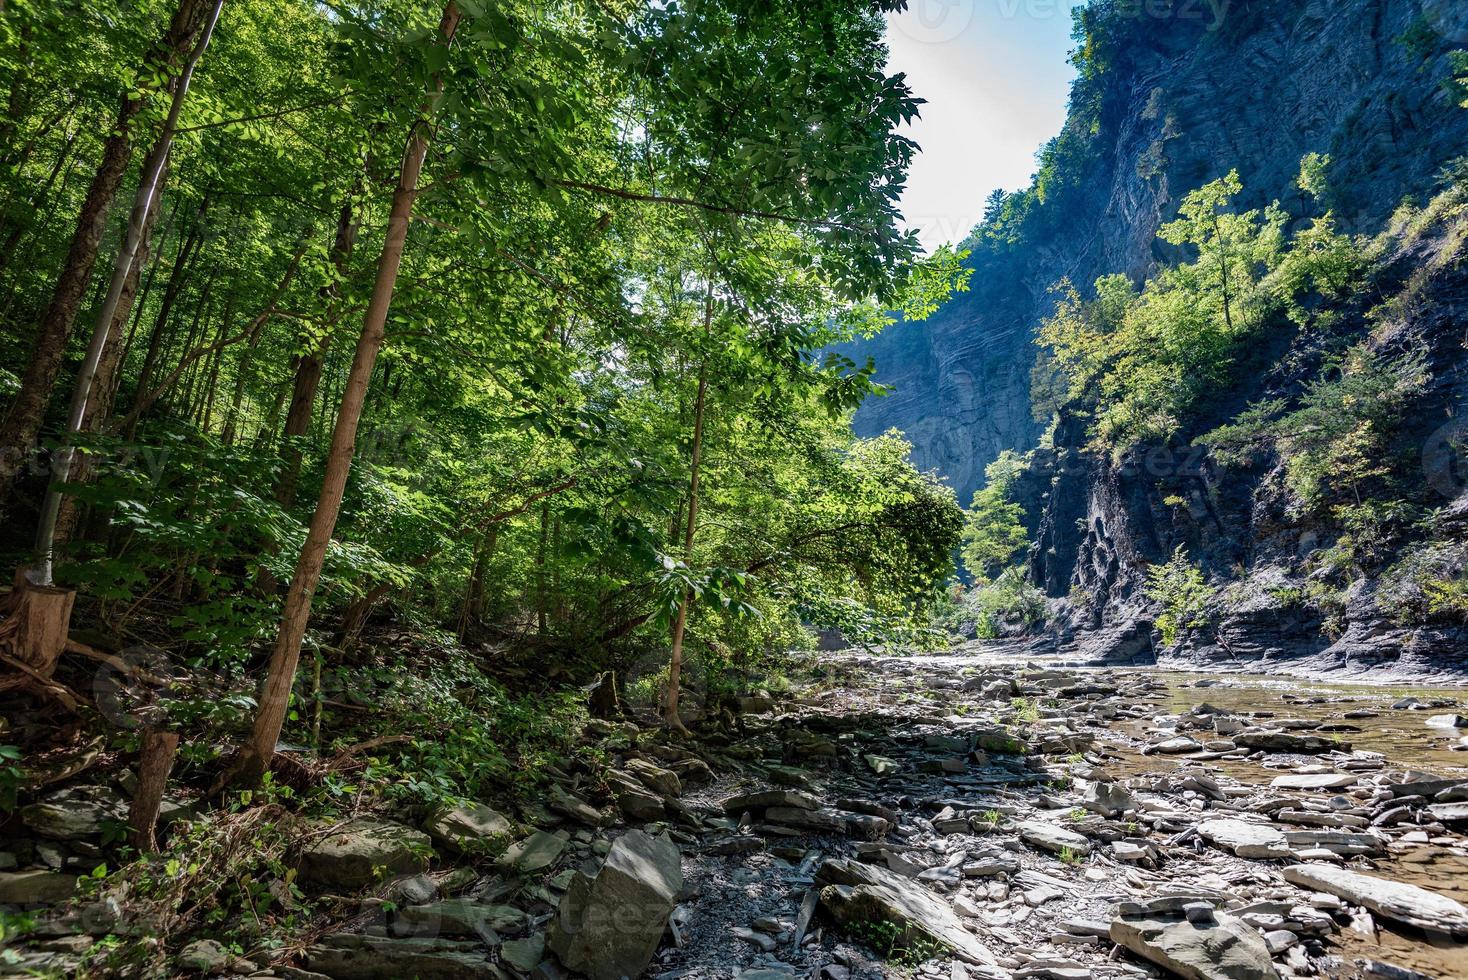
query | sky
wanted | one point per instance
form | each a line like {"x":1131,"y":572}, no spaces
{"x":995,"y":77}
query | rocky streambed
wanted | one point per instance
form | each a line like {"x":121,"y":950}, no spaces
{"x":939,"y":817}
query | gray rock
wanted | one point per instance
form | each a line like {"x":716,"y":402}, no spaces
{"x":35,"y":887}
{"x":1270,"y":741}
{"x":1108,"y":799}
{"x":208,"y":956}
{"x":354,"y":957}
{"x":354,"y":853}
{"x":609,"y":926}
{"x":655,"y":778}
{"x":1225,"y":948}
{"x":639,"y":804}
{"x":460,"y":917}
{"x":1446,"y":721}
{"x":1049,"y":837}
{"x":467,"y":825}
{"x":863,"y":893}
{"x":75,"y":813}
{"x":535,"y":853}
{"x":524,"y":954}
{"x":1392,"y":899}
{"x":1327,"y":780}
{"x":785,"y":798}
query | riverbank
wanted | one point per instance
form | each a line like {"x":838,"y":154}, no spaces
{"x":942,"y":817}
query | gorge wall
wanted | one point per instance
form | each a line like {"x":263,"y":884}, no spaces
{"x":1165,"y":104}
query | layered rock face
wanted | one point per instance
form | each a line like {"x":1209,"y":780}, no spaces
{"x":1181,"y":105}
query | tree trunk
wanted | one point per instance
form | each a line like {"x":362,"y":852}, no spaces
{"x":675,"y":661}
{"x":146,"y":198}
{"x":309,"y":364}
{"x":256,"y":754}
{"x":99,"y":407}
{"x":188,"y":250}
{"x":158,"y":752}
{"x":23,"y":421}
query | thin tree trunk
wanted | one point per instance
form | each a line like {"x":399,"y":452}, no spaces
{"x":256,"y":754}
{"x":309,"y":365}
{"x":188,"y":250}
{"x":146,"y":198}
{"x":23,"y":422}
{"x":675,"y":661}
{"x":99,"y":408}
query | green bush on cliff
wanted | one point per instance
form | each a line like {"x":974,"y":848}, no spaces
{"x":1183,"y":592}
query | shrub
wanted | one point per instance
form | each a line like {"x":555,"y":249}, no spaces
{"x":1183,"y":592}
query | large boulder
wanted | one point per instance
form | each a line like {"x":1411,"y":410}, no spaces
{"x":857,"y":893}
{"x":1397,"y":900}
{"x":356,"y":853}
{"x":1215,"y":947}
{"x":467,"y":826}
{"x":609,"y":926}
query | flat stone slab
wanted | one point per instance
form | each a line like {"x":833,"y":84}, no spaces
{"x":1395,"y":900}
{"x":354,"y":957}
{"x":1271,"y":741}
{"x":1225,"y":948}
{"x":1049,"y":837}
{"x":535,"y":853}
{"x":788,"y":799}
{"x":1325,"y":780}
{"x":1247,"y":840}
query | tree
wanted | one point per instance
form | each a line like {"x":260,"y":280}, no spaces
{"x":994,"y":532}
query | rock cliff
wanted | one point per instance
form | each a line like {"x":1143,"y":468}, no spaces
{"x":1174,"y":105}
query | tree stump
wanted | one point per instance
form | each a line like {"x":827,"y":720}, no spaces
{"x":34,"y":633}
{"x":159,"y":750}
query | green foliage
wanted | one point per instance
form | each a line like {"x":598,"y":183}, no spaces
{"x":994,"y":532}
{"x":902,"y":945}
{"x":1143,"y":362}
{"x":1183,"y":593}
{"x":1335,"y":440}
{"x":1457,"y":81}
{"x":1314,"y":174}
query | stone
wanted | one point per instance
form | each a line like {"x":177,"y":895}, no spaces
{"x":1049,"y":837}
{"x":1446,"y":721}
{"x":1177,"y":745}
{"x":1340,"y":842}
{"x":1108,"y":799}
{"x":469,"y":824}
{"x":825,"y":820}
{"x":36,"y":887}
{"x":1324,"y":780}
{"x":353,"y":957}
{"x":1449,"y":812}
{"x":863,"y":893}
{"x":1247,"y":840}
{"x":638,"y":804}
{"x":1272,"y":741}
{"x":1396,"y":900}
{"x":656,"y":778}
{"x":460,"y":917}
{"x":535,"y":853}
{"x":758,"y":940}
{"x":524,"y":954}
{"x":75,"y":813}
{"x":785,"y":798}
{"x":1224,"y":948}
{"x":414,"y":890}
{"x":355,"y":853}
{"x":209,"y":956}
{"x":569,"y":805}
{"x":609,"y":926}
